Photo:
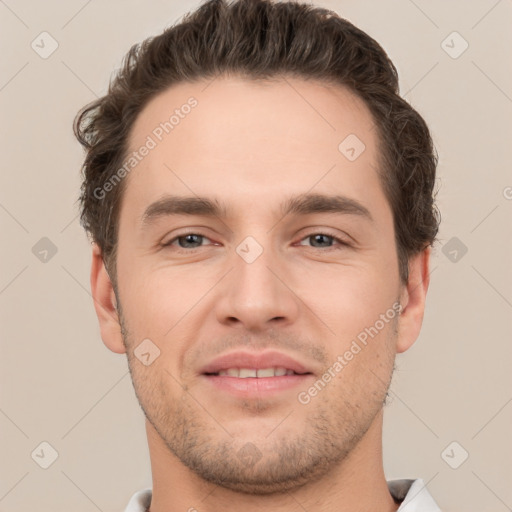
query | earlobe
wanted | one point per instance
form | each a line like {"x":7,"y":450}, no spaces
{"x":105,"y":303}
{"x":413,"y":300}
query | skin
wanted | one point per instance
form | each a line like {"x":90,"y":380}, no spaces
{"x":251,"y":145}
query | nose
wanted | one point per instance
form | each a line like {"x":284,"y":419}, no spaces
{"x":257,"y":295}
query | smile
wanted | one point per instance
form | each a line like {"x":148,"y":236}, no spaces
{"x":254,"y":373}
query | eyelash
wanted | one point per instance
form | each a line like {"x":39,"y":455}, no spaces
{"x":341,"y":243}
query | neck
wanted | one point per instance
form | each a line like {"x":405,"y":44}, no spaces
{"x":356,"y":484}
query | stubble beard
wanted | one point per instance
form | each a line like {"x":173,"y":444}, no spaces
{"x":286,"y":459}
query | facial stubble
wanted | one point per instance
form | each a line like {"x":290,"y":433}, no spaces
{"x":292,"y":455}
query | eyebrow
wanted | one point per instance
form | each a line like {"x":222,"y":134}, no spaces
{"x":303,"y":204}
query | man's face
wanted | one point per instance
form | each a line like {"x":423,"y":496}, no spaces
{"x":264,"y":289}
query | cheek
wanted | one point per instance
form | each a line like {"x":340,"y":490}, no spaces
{"x":169,"y":308}
{"x":155,"y":300}
{"x":156,"y":389}
{"x":349,"y":299}
{"x":365,"y":364}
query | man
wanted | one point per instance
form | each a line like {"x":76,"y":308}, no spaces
{"x":260,"y":201}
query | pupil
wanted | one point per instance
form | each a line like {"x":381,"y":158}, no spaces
{"x":320,"y":237}
{"x":190,"y":239}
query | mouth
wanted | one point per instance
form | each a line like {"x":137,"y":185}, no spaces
{"x":255,"y":375}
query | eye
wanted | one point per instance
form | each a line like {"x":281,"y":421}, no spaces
{"x":324,"y":240}
{"x":187,"y":241}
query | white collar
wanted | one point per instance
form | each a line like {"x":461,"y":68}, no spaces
{"x":414,"y":494}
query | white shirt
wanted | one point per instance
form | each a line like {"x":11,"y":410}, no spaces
{"x":414,"y":494}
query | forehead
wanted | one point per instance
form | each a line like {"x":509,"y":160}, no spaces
{"x":236,"y":107}
{"x":251,"y":140}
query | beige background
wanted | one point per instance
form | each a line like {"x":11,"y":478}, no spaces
{"x":59,"y":383}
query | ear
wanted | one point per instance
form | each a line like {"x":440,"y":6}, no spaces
{"x":104,"y":303}
{"x":412,"y":300}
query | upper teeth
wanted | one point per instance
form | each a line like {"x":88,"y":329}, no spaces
{"x":244,"y":373}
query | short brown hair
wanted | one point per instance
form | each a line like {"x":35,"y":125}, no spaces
{"x":259,"y":39}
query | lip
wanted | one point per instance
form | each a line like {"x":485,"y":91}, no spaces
{"x":259,"y":361}
{"x":259,"y":387}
